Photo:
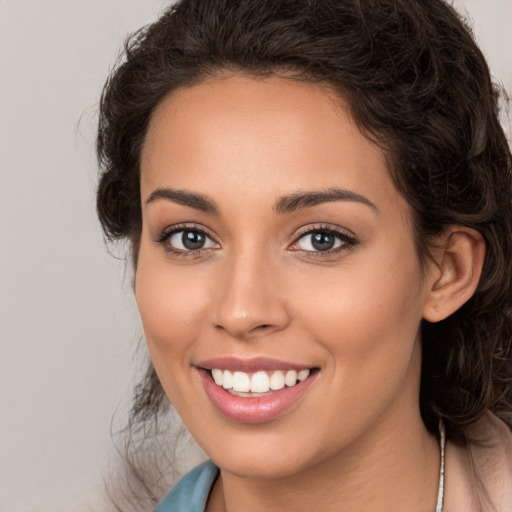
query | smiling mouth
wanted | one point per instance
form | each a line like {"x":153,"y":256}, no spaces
{"x":259,"y":383}
{"x":255,"y":390}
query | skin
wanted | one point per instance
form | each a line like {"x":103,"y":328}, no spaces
{"x":355,"y":440}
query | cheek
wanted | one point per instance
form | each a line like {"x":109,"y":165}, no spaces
{"x":367,"y":321}
{"x":368,"y":314}
{"x":171,"y":305}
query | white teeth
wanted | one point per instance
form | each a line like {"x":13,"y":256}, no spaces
{"x":217,"y":376}
{"x":290,"y":378}
{"x":260,"y":382}
{"x":227,"y":379}
{"x":303,"y":375}
{"x":241,"y":382}
{"x":277,"y":380}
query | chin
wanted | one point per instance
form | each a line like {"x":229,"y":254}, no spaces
{"x":265,"y":467}
{"x":262,"y":457}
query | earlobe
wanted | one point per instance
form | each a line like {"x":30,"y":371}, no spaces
{"x":459,"y":259}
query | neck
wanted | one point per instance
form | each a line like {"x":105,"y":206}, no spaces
{"x":393,"y":468}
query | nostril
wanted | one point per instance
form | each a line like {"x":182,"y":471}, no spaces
{"x":262,"y":327}
{"x":244,"y":331}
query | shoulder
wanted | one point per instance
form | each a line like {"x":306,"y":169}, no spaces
{"x":479,"y":477}
{"x":191,"y":492}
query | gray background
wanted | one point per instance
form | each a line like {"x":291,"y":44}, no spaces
{"x":68,"y":323}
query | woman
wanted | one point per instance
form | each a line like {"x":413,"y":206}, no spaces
{"x":318,"y":197}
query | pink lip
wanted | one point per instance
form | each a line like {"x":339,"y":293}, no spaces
{"x":234,"y":364}
{"x":253,"y":409}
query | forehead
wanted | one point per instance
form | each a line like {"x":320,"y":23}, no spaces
{"x":262,"y":136}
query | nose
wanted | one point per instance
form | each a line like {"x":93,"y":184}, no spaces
{"x":249,"y":301}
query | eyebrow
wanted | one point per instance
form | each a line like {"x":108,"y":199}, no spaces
{"x":285,"y":204}
{"x":308,"y":199}
{"x":193,"y":200}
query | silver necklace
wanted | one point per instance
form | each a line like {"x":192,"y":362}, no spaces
{"x":440,"y":492}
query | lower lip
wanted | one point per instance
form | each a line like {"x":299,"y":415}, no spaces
{"x":255,"y":409}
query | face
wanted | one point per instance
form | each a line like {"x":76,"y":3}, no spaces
{"x":277,"y":279}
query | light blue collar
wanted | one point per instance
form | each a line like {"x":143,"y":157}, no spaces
{"x":191,"y":492}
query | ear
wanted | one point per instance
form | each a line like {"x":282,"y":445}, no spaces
{"x":453,"y":276}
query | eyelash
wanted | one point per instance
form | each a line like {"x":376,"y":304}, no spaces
{"x":165,"y":236}
{"x":348,"y":242}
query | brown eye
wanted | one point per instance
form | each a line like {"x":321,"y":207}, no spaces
{"x":320,"y":240}
{"x":190,"y":240}
{"x":323,"y":241}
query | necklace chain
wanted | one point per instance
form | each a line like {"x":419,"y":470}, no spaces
{"x":440,"y":492}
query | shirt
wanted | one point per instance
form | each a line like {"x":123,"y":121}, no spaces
{"x":191,"y":492}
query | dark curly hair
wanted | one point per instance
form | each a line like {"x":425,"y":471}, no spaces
{"x":416,"y":84}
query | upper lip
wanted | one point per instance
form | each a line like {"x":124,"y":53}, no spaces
{"x":255,"y":364}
